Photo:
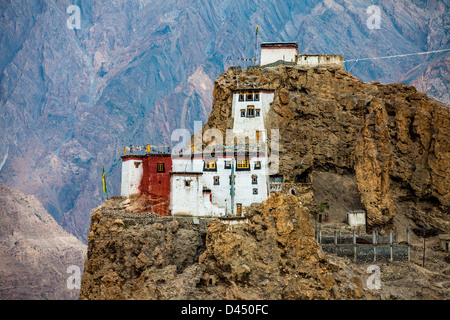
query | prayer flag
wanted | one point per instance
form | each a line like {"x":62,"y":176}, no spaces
{"x":105,"y":189}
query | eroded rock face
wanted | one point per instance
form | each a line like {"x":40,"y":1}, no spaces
{"x":273,"y":255}
{"x":393,"y":138}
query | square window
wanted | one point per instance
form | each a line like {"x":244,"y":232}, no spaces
{"x":216,"y":180}
{"x":187,"y":183}
{"x":249,"y":96}
{"x":257,"y":164}
{"x":242,"y":164}
{"x":257,"y":112}
{"x":160,"y":167}
{"x":227,"y":164}
{"x":255,"y":190}
{"x":210,"y":165}
{"x":242,"y":113}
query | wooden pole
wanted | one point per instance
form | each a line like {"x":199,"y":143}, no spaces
{"x":407,"y":241}
{"x":335,"y":241}
{"x":423,"y":260}
{"x":374,"y":242}
{"x":391,"y":246}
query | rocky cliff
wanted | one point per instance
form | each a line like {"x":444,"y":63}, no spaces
{"x":391,"y":140}
{"x":271,"y":255}
{"x":36,"y":254}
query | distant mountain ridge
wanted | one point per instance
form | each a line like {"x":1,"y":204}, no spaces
{"x":136,"y":70}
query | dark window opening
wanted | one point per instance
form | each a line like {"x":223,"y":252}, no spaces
{"x":250,"y":111}
{"x":254,"y":179}
{"x":160,"y":167}
{"x":255,"y":190}
{"x":216,"y":180}
{"x":242,"y":113}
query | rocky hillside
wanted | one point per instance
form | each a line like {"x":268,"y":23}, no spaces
{"x":136,"y":70}
{"x":273,"y":255}
{"x":35,"y":252}
{"x":391,"y":140}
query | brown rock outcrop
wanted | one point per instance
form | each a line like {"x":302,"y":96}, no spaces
{"x":274,"y":255}
{"x":394,"y":139}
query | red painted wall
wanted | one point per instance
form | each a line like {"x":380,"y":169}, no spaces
{"x":156,"y":185}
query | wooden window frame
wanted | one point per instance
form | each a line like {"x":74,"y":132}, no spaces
{"x":210,"y":165}
{"x":257,"y":165}
{"x":242,"y":164}
{"x":252,"y":113}
{"x":257,"y":112}
{"x":243,"y":113}
{"x":256,"y":96}
{"x":249,"y":94}
{"x":239,"y":208}
{"x":254,"y":179}
{"x":227,"y":164}
{"x":241,"y":96}
{"x":216,"y":180}
{"x":160,"y":167}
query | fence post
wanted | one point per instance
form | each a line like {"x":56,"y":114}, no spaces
{"x":374,"y":242}
{"x":335,"y":241}
{"x":354,"y":246}
{"x":391,"y":246}
{"x":407,"y":241}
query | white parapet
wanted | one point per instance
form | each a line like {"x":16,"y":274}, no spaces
{"x":320,"y":60}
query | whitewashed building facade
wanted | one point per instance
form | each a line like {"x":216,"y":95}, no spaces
{"x":202,"y":186}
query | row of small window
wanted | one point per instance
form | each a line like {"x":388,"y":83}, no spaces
{"x":240,"y":164}
{"x":217,"y":182}
{"x":250,"y":112}
{"x":248,"y":96}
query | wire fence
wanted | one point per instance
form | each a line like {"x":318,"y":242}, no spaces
{"x":366,"y":248}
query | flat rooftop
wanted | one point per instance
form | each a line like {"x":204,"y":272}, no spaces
{"x":279,"y":44}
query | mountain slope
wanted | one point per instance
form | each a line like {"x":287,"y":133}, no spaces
{"x":35,"y":252}
{"x":136,"y":70}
